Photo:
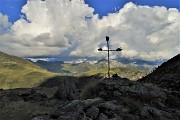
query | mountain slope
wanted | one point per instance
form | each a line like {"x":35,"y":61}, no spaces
{"x":19,"y":73}
{"x":167,"y":75}
{"x":54,"y":66}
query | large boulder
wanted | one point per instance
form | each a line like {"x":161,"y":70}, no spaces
{"x":92,"y":112}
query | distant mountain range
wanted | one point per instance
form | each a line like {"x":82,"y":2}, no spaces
{"x":51,"y":63}
{"x":86,"y":68}
{"x":95,"y":60}
{"x":141,"y":62}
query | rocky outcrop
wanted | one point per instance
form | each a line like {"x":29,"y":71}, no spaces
{"x":119,"y":99}
{"x":69,"y":88}
{"x":99,"y":109}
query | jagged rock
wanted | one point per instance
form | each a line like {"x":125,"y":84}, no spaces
{"x":102,"y":117}
{"x":92,"y":112}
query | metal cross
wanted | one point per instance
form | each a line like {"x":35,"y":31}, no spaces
{"x":100,"y":49}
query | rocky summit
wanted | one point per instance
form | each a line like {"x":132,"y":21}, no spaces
{"x":97,"y":98}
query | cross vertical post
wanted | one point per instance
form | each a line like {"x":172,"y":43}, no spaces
{"x":108,"y":50}
{"x":107,"y":39}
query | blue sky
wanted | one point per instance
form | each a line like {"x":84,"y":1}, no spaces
{"x":103,"y":7}
{"x":58,"y":27}
{"x":12,"y":8}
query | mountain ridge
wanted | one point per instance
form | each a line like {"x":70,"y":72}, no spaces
{"x":16,"y":72}
{"x":166,"y":75}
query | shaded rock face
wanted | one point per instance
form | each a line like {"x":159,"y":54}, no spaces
{"x":167,"y":75}
{"x":69,"y":88}
{"x":120,"y":99}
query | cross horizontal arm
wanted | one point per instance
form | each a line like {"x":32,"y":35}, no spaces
{"x":109,"y":50}
{"x":118,"y":49}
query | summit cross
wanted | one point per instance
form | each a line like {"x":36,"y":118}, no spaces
{"x":108,"y":50}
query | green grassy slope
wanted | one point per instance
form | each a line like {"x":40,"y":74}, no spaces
{"x":124,"y":72}
{"x":87,"y":69}
{"x":82,"y":67}
{"x":16,"y":72}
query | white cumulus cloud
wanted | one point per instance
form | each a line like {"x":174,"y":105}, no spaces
{"x":57,"y":27}
{"x":4,"y":24}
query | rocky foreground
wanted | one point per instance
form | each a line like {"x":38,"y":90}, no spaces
{"x":121,"y":99}
{"x":101,"y":99}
